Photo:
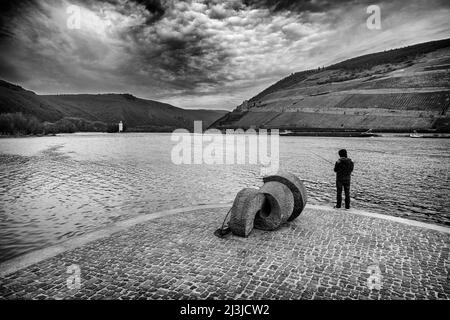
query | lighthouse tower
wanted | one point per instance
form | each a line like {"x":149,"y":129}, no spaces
{"x":120,"y":126}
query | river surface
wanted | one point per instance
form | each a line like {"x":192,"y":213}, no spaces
{"x":56,"y":188}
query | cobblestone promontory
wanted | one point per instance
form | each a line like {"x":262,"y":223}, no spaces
{"x":323,"y":254}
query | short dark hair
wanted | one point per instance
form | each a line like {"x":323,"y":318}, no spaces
{"x":343,"y":153}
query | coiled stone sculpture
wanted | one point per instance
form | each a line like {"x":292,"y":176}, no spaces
{"x":282,"y":198}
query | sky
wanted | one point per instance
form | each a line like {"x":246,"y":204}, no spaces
{"x":196,"y":54}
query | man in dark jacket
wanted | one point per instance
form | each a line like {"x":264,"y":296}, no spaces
{"x":343,"y":169}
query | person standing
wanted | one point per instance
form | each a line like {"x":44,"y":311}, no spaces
{"x":343,"y":169}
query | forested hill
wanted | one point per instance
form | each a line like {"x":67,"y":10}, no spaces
{"x":97,"y":109}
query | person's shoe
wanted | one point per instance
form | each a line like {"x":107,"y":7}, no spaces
{"x":347,"y":208}
{"x":336,"y":207}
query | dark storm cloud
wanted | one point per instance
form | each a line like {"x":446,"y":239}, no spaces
{"x":196,"y":53}
{"x":154,"y":6}
{"x":304,"y":5}
{"x":10,"y":9}
{"x":294,"y":5}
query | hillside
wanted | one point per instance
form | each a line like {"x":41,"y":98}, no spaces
{"x":137,"y":114}
{"x":397,"y":90}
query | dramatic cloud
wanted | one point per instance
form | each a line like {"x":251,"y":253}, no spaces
{"x":197,"y":53}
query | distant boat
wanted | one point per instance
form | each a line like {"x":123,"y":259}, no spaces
{"x":353,"y":134}
{"x":415,"y":135}
{"x":368,"y":133}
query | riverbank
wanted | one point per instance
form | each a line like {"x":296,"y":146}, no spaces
{"x":286,"y":134}
{"x":362,"y":134}
{"x":324,"y":254}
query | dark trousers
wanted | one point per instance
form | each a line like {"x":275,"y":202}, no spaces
{"x":346,"y":186}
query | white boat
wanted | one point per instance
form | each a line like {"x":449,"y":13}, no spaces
{"x":415,"y":135}
{"x":368,"y":133}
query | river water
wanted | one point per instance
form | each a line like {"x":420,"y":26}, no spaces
{"x":56,"y":188}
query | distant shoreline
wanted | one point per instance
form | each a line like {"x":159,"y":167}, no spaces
{"x":290,"y":134}
{"x":13,"y":136}
{"x":358,"y":135}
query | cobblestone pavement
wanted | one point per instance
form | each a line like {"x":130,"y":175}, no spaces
{"x":321,"y":255}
